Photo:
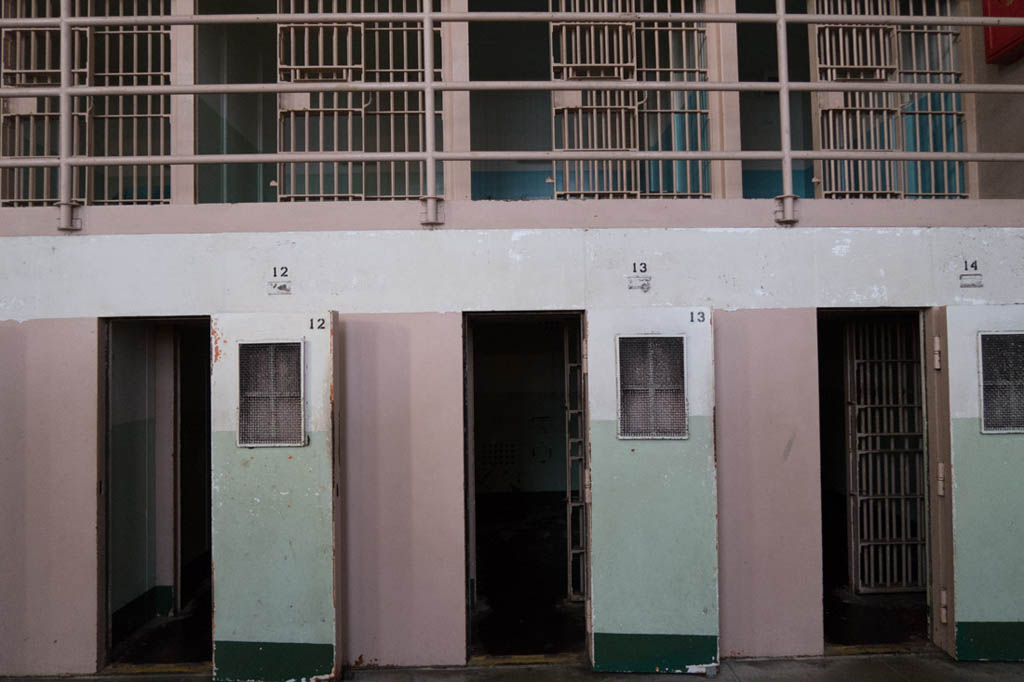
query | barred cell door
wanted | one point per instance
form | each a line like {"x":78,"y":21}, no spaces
{"x":576,"y":465}
{"x":886,"y":455}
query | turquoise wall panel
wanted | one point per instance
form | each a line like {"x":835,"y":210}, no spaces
{"x":761,"y":183}
{"x":512,"y":185}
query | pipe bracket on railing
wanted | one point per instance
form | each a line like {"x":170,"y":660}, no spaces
{"x":432,"y":214}
{"x":785,"y":209}
{"x":66,"y":220}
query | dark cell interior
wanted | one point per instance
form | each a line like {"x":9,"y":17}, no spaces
{"x":521,"y":604}
{"x":238,"y":123}
{"x":757,"y":54}
{"x":853,"y":617}
{"x":157,"y":625}
{"x":505,"y":120}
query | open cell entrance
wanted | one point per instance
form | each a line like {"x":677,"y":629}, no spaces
{"x":156,"y":492}
{"x":527,"y":529}
{"x":873,"y":478}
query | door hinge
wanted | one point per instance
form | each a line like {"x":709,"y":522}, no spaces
{"x":936,"y":352}
{"x":943,"y":607}
{"x":586,"y":485}
{"x":940,"y":480}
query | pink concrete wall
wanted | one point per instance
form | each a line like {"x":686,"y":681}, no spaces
{"x":402,"y":501}
{"x":769,"y":499}
{"x":48,"y":474}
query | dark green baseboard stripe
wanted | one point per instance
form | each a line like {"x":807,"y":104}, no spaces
{"x":990,"y":641}
{"x":652,"y":653}
{"x":270,"y":661}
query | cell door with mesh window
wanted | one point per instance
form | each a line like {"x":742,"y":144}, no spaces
{"x":886,"y":455}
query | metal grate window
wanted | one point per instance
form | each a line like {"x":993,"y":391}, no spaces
{"x":652,"y":387}
{"x":1002,"y":382}
{"x":270,"y":389}
{"x":654,"y":120}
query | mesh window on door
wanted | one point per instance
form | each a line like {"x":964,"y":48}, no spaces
{"x":1002,"y":383}
{"x":652,"y":387}
{"x":270,"y":394}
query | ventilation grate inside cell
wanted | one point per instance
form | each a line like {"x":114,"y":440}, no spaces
{"x":270,"y":394}
{"x":652,"y":387}
{"x":1002,"y":378}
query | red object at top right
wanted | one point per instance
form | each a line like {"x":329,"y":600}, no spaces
{"x":1004,"y":44}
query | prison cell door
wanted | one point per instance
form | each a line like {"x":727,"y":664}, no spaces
{"x":273,"y":452}
{"x":577,"y":478}
{"x":886,"y":454}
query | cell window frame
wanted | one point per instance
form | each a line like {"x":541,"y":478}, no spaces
{"x":685,"y":434}
{"x":304,"y":434}
{"x":981,"y":384}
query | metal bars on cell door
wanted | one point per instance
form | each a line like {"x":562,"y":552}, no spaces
{"x":637,"y":120}
{"x":886,"y":455}
{"x":121,"y":125}
{"x":374,"y":52}
{"x":889,"y":121}
{"x":576,"y":466}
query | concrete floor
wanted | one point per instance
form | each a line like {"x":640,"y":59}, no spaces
{"x":930,"y":667}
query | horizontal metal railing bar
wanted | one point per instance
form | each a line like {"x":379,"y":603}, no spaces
{"x":727,"y":156}
{"x":340,"y":157}
{"x":567,"y":155}
{"x":476,"y":86}
{"x":568,"y":17}
{"x":901,"y":20}
{"x":412,"y":86}
{"x":197,"y":19}
{"x":731,"y":18}
{"x":861,"y":155}
{"x":892,"y":86}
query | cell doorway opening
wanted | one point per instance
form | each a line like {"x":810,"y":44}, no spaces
{"x":156,"y":544}
{"x":527,"y":525}
{"x":873,"y":479}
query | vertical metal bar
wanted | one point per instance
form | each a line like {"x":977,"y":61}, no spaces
{"x":568,"y":460}
{"x":64,"y":189}
{"x":428,"y":119}
{"x":785,"y":132}
{"x":855,"y":511}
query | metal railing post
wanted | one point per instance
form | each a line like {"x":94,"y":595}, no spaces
{"x":65,"y":219}
{"x":429,"y":142}
{"x":785,"y":214}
